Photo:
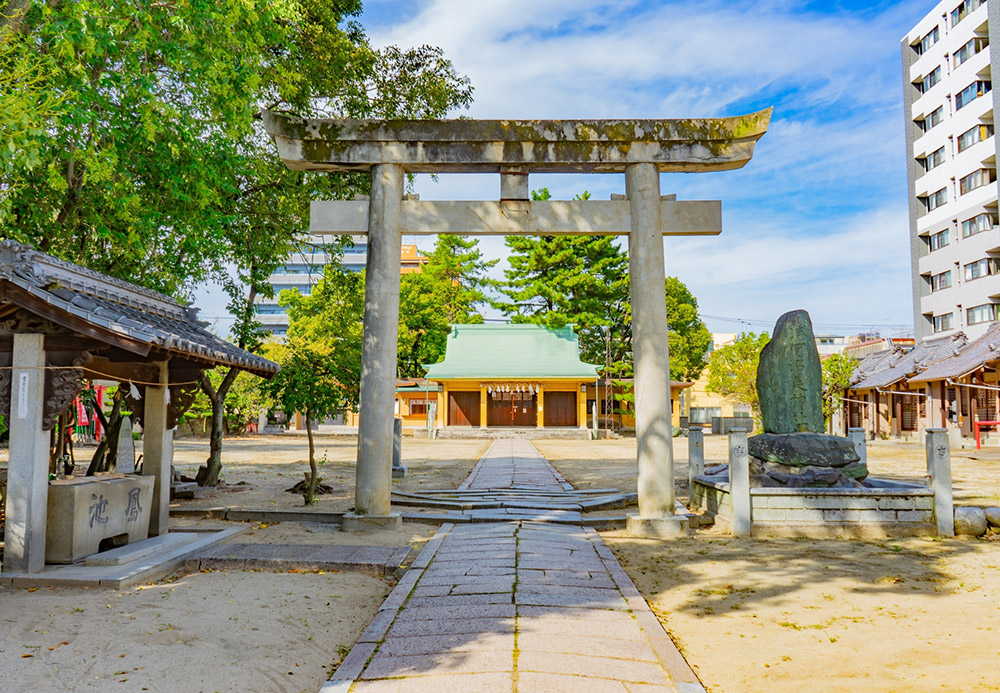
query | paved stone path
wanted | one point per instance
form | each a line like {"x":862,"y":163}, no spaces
{"x":514,"y":606}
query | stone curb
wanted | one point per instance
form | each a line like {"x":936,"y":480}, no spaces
{"x":238,"y":514}
{"x":148,"y":569}
{"x":683,"y":676}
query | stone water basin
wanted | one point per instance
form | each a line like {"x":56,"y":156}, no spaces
{"x":87,"y":515}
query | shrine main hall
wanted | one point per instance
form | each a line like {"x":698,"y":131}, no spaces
{"x":509,"y":376}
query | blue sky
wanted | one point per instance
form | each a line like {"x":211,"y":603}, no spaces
{"x":817,"y":220}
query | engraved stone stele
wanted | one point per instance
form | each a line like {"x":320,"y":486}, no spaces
{"x":125,"y":457}
{"x":789,"y":379}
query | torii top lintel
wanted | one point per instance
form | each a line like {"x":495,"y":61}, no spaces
{"x":490,"y":146}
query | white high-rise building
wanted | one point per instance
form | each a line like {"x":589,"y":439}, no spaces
{"x":301,"y":270}
{"x":951,"y":152}
{"x":304,"y":267}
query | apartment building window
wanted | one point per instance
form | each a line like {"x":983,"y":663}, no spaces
{"x":970,"y":49}
{"x":924,"y":44}
{"x":929,"y":81}
{"x":931,"y":120}
{"x":979,"y":268}
{"x":972,"y":92}
{"x":978,"y":224}
{"x":270,"y":309}
{"x":935,"y":200}
{"x":933,"y":160}
{"x":942,"y":322}
{"x":964,"y":9}
{"x":941,"y":281}
{"x":983,"y":313}
{"x":304,"y":289}
{"x":938,"y":240}
{"x":973,"y":136}
{"x":976,"y":179}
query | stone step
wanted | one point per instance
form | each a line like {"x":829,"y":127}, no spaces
{"x":183,"y":489}
{"x":141,"y":549}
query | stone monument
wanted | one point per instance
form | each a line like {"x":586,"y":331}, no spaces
{"x":125,"y":455}
{"x":794,"y":450}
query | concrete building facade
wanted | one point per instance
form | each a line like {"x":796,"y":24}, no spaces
{"x":304,"y":267}
{"x":951,"y":151}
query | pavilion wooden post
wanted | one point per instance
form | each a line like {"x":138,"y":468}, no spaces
{"x":158,"y":449}
{"x":378,"y":359}
{"x":28,"y":469}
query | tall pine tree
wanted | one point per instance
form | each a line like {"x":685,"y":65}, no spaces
{"x":584,"y":280}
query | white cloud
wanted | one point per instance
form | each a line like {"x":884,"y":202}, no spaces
{"x":818,"y":218}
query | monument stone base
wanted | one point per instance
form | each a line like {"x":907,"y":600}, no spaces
{"x":657,"y":527}
{"x":360,"y":523}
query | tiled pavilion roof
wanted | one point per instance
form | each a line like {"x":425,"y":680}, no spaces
{"x":119,"y":312}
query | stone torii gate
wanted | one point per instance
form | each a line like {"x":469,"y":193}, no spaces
{"x":641,"y":149}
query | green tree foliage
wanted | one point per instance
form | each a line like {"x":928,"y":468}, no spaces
{"x":584,"y":280}
{"x":321,"y":359}
{"x":447,"y":292}
{"x":837,"y":371}
{"x":130,"y":143}
{"x":152,"y":166}
{"x":732,"y":370}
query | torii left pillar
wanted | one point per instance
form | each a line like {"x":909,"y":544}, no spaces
{"x":372,"y":505}
{"x":28,"y":469}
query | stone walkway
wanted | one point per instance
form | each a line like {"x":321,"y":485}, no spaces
{"x":514,"y":606}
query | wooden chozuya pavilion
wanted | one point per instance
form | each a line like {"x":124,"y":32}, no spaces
{"x":512,"y":376}
{"x":61,"y":324}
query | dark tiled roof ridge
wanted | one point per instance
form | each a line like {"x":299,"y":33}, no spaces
{"x":47,"y":269}
{"x":119,"y":308}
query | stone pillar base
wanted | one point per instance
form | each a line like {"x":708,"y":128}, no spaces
{"x":360,"y":523}
{"x":657,"y":527}
{"x":399,"y":472}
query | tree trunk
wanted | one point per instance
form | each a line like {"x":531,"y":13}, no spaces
{"x":106,"y":453}
{"x":310,"y":490}
{"x":208,"y":473}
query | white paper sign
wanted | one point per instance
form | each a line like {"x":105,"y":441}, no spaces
{"x":22,"y":396}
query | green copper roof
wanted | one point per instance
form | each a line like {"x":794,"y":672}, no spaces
{"x":512,"y":351}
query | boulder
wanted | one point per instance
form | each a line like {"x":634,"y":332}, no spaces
{"x":970,"y":521}
{"x":803,"y":449}
{"x":819,"y":477}
{"x":789,"y":379}
{"x":993,"y":516}
{"x":855,"y":470}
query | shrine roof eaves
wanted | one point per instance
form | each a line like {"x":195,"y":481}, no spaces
{"x":119,"y":308}
{"x":607,"y":146}
{"x":512,"y":351}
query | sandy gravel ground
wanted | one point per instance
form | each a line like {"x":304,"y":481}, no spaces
{"x":220,"y":631}
{"x":258,"y":469}
{"x":785,"y":615}
{"x":793,"y":615}
{"x":790,"y":615}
